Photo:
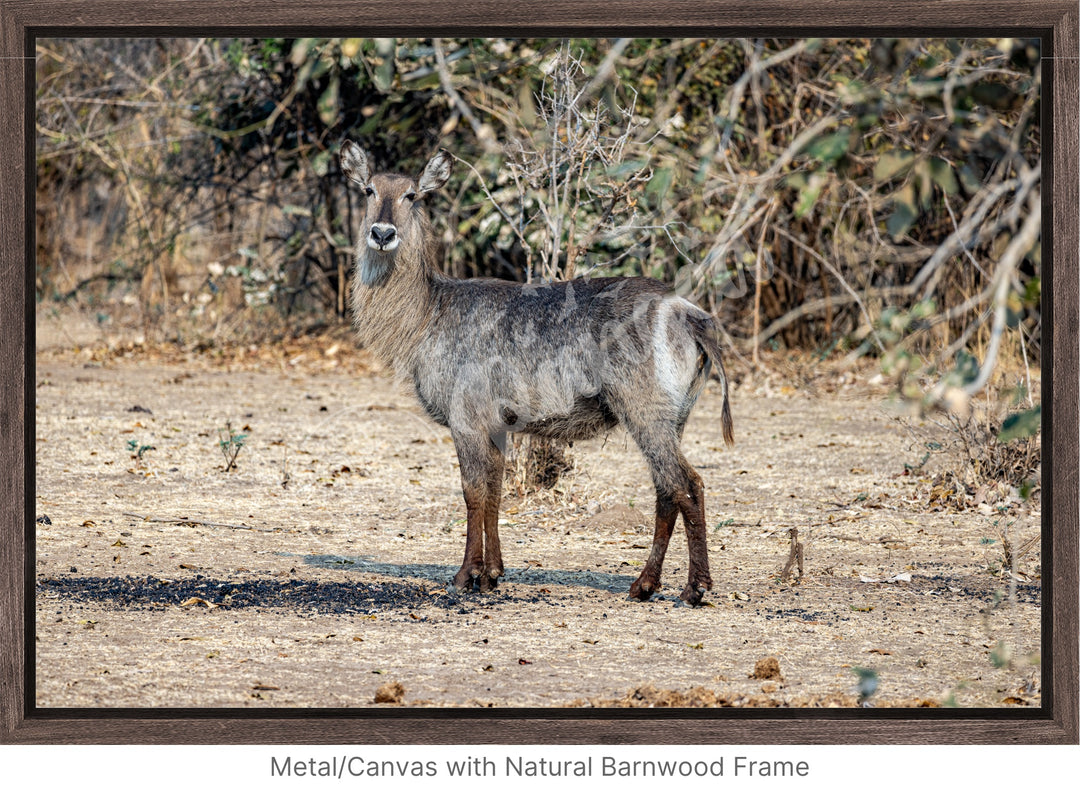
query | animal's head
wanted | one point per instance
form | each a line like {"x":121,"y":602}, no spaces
{"x":394,"y":219}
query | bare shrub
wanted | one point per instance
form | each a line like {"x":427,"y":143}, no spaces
{"x":967,"y":462}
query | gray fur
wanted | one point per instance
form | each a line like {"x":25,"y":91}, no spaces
{"x":563,"y":360}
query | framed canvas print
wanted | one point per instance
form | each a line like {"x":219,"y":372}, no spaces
{"x":576,"y":372}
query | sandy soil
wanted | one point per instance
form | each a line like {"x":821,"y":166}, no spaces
{"x":316,"y":572}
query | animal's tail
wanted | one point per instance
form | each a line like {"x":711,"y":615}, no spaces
{"x":707,"y":335}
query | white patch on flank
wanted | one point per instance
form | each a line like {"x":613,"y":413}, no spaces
{"x":665,"y":366}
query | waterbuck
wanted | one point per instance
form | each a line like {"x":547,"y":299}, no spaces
{"x":562,"y":360}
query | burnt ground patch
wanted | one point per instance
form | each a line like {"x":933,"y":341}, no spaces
{"x":967,"y":587}
{"x":799,"y":614}
{"x":302,"y":596}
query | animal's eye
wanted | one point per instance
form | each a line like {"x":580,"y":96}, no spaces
{"x":369,"y":191}
{"x":409,"y":196}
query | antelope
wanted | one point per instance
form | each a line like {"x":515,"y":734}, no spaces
{"x":566,"y":360}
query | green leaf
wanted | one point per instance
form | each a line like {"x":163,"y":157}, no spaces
{"x":999,"y":655}
{"x":996,"y":95}
{"x":428,"y":81}
{"x":323,"y":65}
{"x":893,"y":164}
{"x":923,"y":308}
{"x":627,"y":167}
{"x":795,"y":180}
{"x":944,"y":175}
{"x":904,"y":213}
{"x":660,"y":183}
{"x":321,"y":163}
{"x":384,"y":72}
{"x":831,"y":147}
{"x":809,"y":194}
{"x":328,"y":102}
{"x":966,"y":369}
{"x":1021,"y":425}
{"x":1032,"y":291}
{"x":969,"y":180}
{"x":926,"y":185}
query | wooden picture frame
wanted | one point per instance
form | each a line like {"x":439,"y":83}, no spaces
{"x":1055,"y":21}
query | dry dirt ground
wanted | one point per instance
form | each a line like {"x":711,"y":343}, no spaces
{"x":316,"y":573}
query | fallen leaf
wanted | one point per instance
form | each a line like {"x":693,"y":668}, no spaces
{"x":195,"y":600}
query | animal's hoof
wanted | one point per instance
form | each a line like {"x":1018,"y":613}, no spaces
{"x":692,"y":594}
{"x":642,"y":589}
{"x":464,"y":581}
{"x":485,"y":583}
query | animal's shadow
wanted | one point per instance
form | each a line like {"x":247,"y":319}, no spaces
{"x":409,"y":587}
{"x":441,"y":574}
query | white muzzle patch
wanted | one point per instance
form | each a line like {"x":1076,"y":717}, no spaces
{"x":389,"y":246}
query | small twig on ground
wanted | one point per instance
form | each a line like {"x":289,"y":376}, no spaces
{"x":181,"y":521}
{"x":795,"y":556}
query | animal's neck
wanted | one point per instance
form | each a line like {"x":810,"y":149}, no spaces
{"x":391,"y":312}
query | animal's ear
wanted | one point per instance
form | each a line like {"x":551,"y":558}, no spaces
{"x":436,"y":173}
{"x":354,"y":163}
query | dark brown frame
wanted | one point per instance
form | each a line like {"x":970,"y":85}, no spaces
{"x":1055,"y":21}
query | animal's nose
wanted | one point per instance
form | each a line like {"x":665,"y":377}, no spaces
{"x":383,"y":234}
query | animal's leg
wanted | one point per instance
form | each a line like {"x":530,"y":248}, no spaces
{"x":667,"y":511}
{"x":473,"y":565}
{"x":692,"y":507}
{"x":474,"y":487}
{"x":678,"y":490}
{"x":493,"y":564}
